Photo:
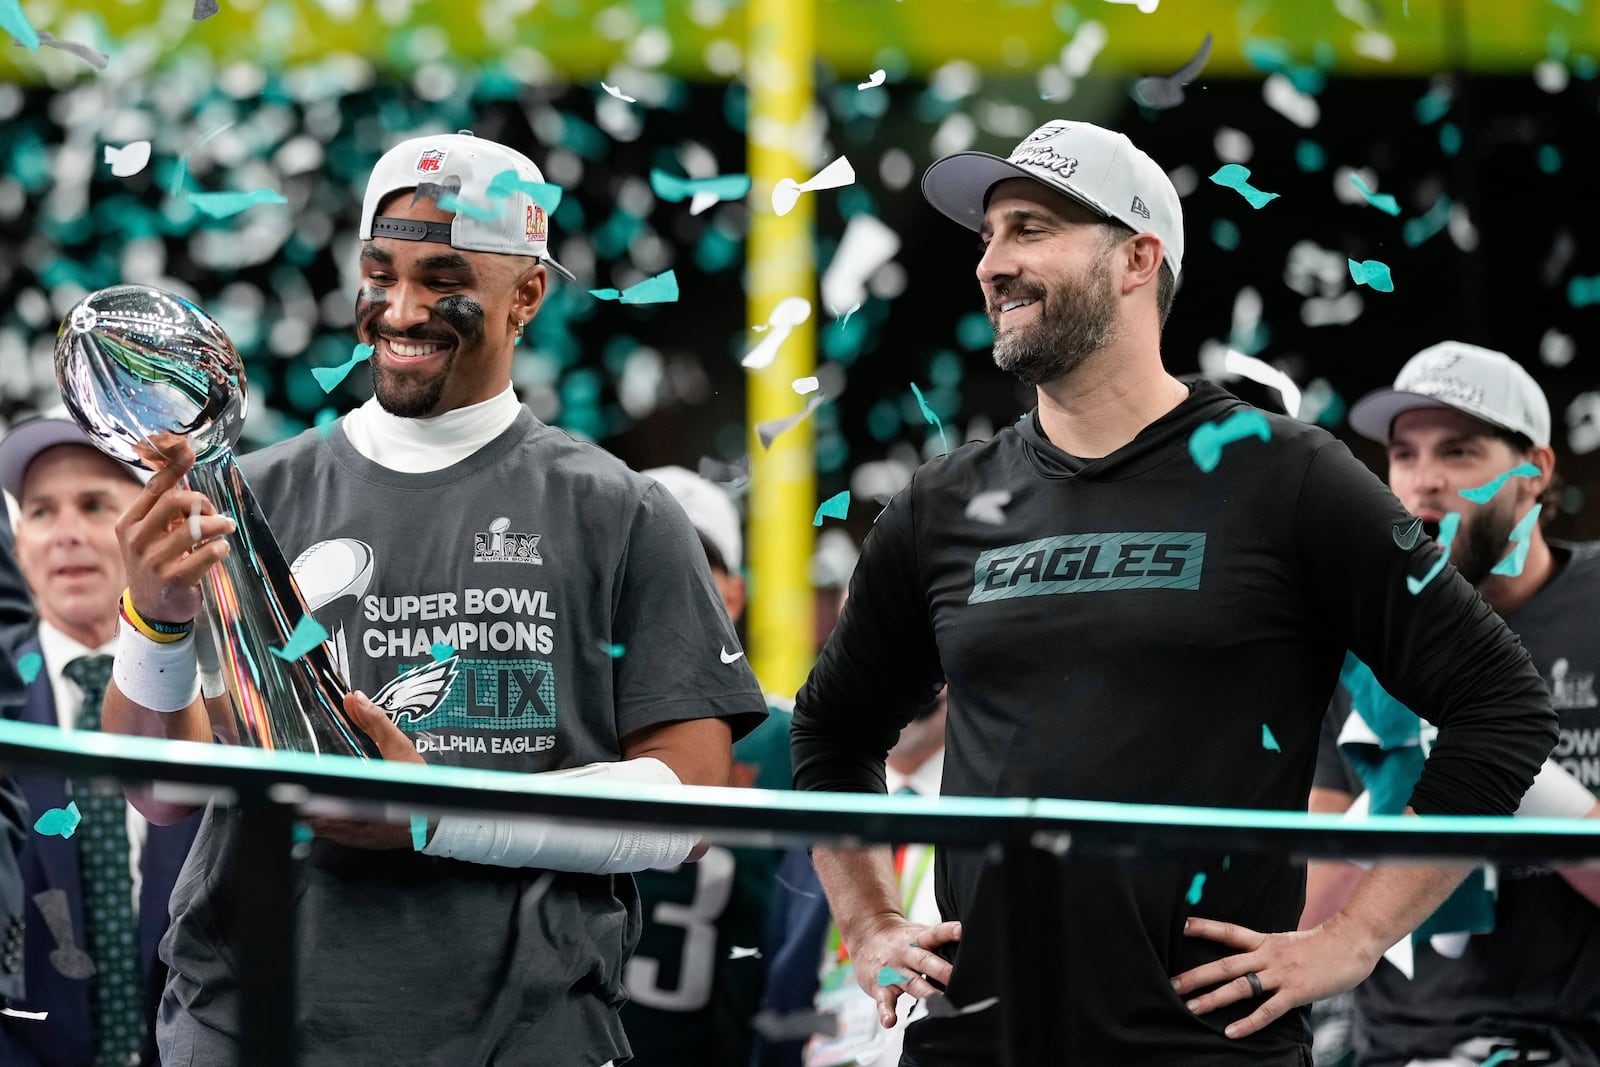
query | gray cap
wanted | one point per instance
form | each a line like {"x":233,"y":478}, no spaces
{"x":28,"y":438}
{"x":1483,"y":383}
{"x":710,"y":511}
{"x":497,"y":214}
{"x":1099,"y":168}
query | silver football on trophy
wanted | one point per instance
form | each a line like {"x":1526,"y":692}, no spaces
{"x":137,"y":364}
{"x":141,"y":369}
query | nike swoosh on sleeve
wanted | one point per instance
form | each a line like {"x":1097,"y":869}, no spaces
{"x":731,"y":658}
{"x":1408,"y":538}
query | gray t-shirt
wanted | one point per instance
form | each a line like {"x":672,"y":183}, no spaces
{"x":577,"y":608}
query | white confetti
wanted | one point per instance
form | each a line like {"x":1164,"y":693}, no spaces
{"x":1267,"y":375}
{"x":987,"y":505}
{"x":1583,"y":423}
{"x":1299,"y":108}
{"x":806,"y":385}
{"x":1556,"y":349}
{"x":618,"y":93}
{"x":737,"y":952}
{"x":787,"y":192}
{"x":1146,"y":6}
{"x":128,"y":160}
{"x":868,"y":243}
{"x":872,"y":82}
{"x":790,"y":312}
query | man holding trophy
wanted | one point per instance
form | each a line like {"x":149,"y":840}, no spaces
{"x":509,"y":597}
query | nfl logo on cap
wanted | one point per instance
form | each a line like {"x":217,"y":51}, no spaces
{"x":431,"y":160}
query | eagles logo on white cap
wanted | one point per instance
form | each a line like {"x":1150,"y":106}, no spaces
{"x":467,"y":166}
{"x":1488,"y":385}
{"x":1099,"y":168}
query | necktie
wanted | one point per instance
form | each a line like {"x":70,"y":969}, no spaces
{"x":116,"y":995}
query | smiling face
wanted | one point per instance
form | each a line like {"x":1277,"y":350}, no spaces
{"x":72,"y":496}
{"x":1434,"y":453}
{"x":1047,"y":278}
{"x":442,"y":323}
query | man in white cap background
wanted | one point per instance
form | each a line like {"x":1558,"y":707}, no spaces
{"x":96,"y":901}
{"x":696,"y":979}
{"x":1467,"y":431}
{"x":513,"y":598}
{"x":1158,"y":616}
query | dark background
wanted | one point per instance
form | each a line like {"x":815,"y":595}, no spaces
{"x":1522,"y":174}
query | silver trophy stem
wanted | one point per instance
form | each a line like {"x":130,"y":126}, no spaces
{"x":253,"y":605}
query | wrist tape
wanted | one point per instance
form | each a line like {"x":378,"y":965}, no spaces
{"x":160,"y":676}
{"x":587,"y":849}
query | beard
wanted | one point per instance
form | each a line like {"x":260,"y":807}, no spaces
{"x":407,"y":394}
{"x":1483,"y":542}
{"x":1076,"y":319}
{"x":411,"y":394}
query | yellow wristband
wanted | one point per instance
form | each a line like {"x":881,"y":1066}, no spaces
{"x":162,"y":633}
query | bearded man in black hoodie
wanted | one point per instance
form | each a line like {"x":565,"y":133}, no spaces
{"x":1159,"y":618}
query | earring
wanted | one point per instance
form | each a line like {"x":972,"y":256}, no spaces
{"x":521,"y":325}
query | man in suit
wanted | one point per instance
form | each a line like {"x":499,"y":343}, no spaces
{"x":16,"y":615}
{"x":96,"y":901}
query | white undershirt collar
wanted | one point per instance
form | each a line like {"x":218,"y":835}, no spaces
{"x":417,"y":446}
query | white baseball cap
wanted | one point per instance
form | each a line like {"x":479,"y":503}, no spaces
{"x":1480,"y":382}
{"x":22,"y":445}
{"x":709,"y":509}
{"x":466,"y":166}
{"x":1099,"y":168}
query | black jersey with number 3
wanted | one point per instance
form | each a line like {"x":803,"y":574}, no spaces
{"x":1135,"y":628}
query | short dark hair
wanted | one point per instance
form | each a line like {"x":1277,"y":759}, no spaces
{"x":1166,"y":282}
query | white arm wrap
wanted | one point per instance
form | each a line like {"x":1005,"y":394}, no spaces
{"x":1556,"y":793}
{"x":586,"y":849}
{"x":161,"y":677}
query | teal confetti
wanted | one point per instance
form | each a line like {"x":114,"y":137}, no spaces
{"x":326,"y":419}
{"x":441,"y":651}
{"x":1205,"y":444}
{"x":1512,"y":565}
{"x":1433,"y":106}
{"x":1499,"y":1057}
{"x":544,"y":194}
{"x":1382,"y":201}
{"x":836,"y":506}
{"x":303,"y":834}
{"x":28,"y":666}
{"x":308,"y":634}
{"x":59,"y":822}
{"x":614,"y":651}
{"x":662,"y":289}
{"x":1418,"y":230}
{"x":1269,"y":742}
{"x":419,"y":832}
{"x":673,"y":189}
{"x":1309,"y":156}
{"x":1227,"y":861}
{"x":1267,"y":55}
{"x":1372,"y":272}
{"x":1224,"y":234}
{"x":932,"y":416}
{"x":1449,"y":139}
{"x":1484,"y":493}
{"x":1549,"y":158}
{"x":1196,"y":887}
{"x":888,"y":976}
{"x":1233,"y":176}
{"x":469,"y":208}
{"x":330,"y":377}
{"x":1447,"y":534}
{"x":223,"y":205}
{"x":14,"y":22}
{"x":1581,"y":292}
